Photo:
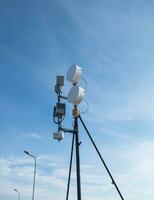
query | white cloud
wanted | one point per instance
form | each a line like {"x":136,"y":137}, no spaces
{"x":48,"y":160}
{"x":33,"y":135}
{"x":137,"y":177}
{"x":132,"y":167}
{"x":15,"y":172}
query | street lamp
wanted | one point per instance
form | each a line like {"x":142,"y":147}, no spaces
{"x":18,"y":193}
{"x":29,"y":154}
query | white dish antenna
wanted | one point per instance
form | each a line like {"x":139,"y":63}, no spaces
{"x":76,"y":95}
{"x":74,"y":73}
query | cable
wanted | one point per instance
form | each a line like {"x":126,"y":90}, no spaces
{"x":85,"y":99}
{"x":83,"y":112}
{"x":109,"y":173}
{"x":58,"y":121}
{"x":85,"y":82}
{"x":70,"y":168}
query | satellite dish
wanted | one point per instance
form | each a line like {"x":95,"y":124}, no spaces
{"x":76,"y":95}
{"x":74,"y":73}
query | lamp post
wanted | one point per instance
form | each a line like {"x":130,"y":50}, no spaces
{"x":29,"y":154}
{"x":18,"y":193}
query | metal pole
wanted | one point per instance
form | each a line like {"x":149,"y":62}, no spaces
{"x":26,"y":152}
{"x":76,"y":132}
{"x":34,"y":178}
{"x":70,"y":168}
{"x":18,"y":193}
{"x":108,"y":171}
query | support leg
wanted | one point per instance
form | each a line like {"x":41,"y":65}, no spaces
{"x":109,"y":173}
{"x":70,"y":168}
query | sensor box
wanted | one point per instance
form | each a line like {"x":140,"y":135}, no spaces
{"x":59,"y":135}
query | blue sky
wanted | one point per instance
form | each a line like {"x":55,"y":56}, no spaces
{"x":113,"y":41}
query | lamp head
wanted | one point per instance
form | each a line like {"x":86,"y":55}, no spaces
{"x":26,"y":152}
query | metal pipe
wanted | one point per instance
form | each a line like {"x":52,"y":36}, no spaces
{"x":76,"y":131}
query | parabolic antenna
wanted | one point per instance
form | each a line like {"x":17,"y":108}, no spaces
{"x":74,"y":73}
{"x":76,"y":95}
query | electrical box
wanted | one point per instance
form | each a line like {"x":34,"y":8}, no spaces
{"x":59,"y":135}
{"x":59,"y":110}
{"x":60,"y":80}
